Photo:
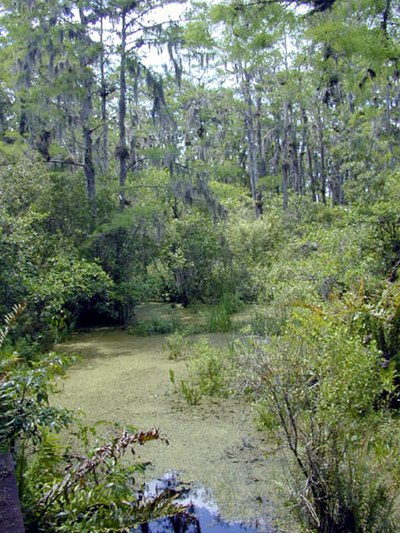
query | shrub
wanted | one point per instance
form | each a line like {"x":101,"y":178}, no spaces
{"x":217,"y":319}
{"x":208,"y":366}
{"x":322,"y":397}
{"x":191,"y":391}
{"x":265,"y":324}
{"x":155,"y":326}
{"x":97,"y":491}
{"x":177,"y":345}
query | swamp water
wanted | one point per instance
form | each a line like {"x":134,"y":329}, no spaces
{"x":213,"y":446}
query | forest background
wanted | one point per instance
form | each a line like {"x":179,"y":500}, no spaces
{"x":260,"y":165}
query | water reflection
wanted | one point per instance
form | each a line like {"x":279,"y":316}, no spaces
{"x":201,"y":515}
{"x":195,"y":520}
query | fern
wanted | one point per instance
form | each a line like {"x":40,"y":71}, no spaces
{"x":10,"y":320}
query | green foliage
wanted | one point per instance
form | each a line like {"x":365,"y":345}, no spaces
{"x":329,"y":252}
{"x":233,"y":197}
{"x":25,"y":183}
{"x":266,"y":324}
{"x":192,"y":250}
{"x":25,"y":401}
{"x":218,"y":318}
{"x":181,"y":322}
{"x":321,"y":395}
{"x":191,"y":391}
{"x":69,"y":211}
{"x":197,"y":34}
{"x":351,"y":37}
{"x":383,"y":217}
{"x":24,"y":395}
{"x":40,"y":226}
{"x":208,"y":366}
{"x":62,"y":291}
{"x":172,"y":379}
{"x":209,"y":369}
{"x":98,"y":489}
{"x":26,"y":415}
{"x":252,"y":244}
{"x":177,"y":345}
{"x":378,"y":318}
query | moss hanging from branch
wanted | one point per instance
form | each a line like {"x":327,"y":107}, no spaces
{"x":199,"y":193}
{"x":155,"y":85}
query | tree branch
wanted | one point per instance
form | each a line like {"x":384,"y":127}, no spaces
{"x":66,"y":162}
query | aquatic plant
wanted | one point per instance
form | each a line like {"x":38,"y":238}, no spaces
{"x":177,"y":345}
{"x":191,"y":391}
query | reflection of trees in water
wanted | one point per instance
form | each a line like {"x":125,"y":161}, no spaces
{"x":200,"y":509}
{"x":184,"y":522}
{"x":181,"y":523}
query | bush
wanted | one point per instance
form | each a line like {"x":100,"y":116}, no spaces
{"x":322,"y":396}
{"x":209,"y":367}
{"x":96,"y":489}
{"x":65,"y":288}
{"x":265,"y":324}
{"x":177,"y":345}
{"x":217,"y":319}
{"x":191,"y":391}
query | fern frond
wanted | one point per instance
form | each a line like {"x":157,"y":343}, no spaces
{"x":10,"y":320}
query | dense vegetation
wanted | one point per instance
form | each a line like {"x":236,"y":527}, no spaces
{"x":259,"y":165}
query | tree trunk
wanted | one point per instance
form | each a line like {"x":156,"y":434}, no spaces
{"x":104,"y":144}
{"x":261,"y":157}
{"x":285,"y":155}
{"x":385,"y":16}
{"x":123,"y":152}
{"x":312,"y":174}
{"x":293,"y":154}
{"x":322,"y":168}
{"x":11,"y":520}
{"x":337,"y":187}
{"x":252,"y":149}
{"x":88,"y":145}
{"x":86,"y":113}
{"x":303,"y":152}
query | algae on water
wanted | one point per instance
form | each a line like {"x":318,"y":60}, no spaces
{"x":126,"y":378}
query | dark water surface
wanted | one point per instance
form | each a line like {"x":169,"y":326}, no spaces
{"x":202,"y":515}
{"x":198,"y":520}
